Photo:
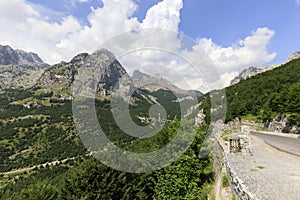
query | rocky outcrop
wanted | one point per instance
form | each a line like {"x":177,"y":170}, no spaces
{"x":101,"y":66}
{"x":252,"y":71}
{"x":20,"y":76}
{"x":281,"y":124}
{"x":19,"y":69}
{"x":293,"y":56}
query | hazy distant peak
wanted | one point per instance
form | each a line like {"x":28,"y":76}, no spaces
{"x":9,"y":56}
{"x":293,"y":56}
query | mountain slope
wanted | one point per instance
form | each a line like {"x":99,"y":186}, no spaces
{"x":42,"y":157}
{"x":253,"y":71}
{"x":9,"y":56}
{"x":267,"y":94}
{"x":60,"y":78}
{"x":19,"y":69}
{"x":152,"y":83}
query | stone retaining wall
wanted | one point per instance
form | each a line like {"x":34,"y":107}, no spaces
{"x":237,"y":185}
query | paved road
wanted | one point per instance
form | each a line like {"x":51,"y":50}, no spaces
{"x":289,"y":145}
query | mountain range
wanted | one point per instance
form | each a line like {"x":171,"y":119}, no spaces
{"x":20,"y":69}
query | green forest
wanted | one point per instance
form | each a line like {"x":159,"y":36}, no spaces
{"x":44,"y":132}
{"x":267,"y":95}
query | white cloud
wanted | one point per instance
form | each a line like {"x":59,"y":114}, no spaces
{"x":106,"y":22}
{"x":27,"y":29}
{"x":30,"y":30}
{"x":16,"y":10}
{"x":298,"y":3}
{"x":251,"y":51}
{"x":165,"y":15}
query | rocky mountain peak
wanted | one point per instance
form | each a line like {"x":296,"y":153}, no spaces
{"x":9,"y":56}
{"x":104,"y":53}
{"x":293,"y":56}
{"x":101,"y":65}
{"x":19,"y":69}
{"x":252,"y":71}
{"x":79,"y":58}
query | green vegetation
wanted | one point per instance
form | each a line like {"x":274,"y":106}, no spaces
{"x":43,"y":133}
{"x":225,"y":181}
{"x":233,"y":197}
{"x":225,"y":134}
{"x":267,"y":95}
{"x":260,"y":167}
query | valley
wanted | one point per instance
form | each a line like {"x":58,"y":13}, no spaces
{"x":43,"y":155}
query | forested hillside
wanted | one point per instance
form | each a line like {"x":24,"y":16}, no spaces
{"x":267,"y":95}
{"x":42,"y":156}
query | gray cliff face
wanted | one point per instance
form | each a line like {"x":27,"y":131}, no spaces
{"x":252,"y":71}
{"x":19,"y":69}
{"x":100,"y":69}
{"x":153,"y":83}
{"x":9,"y":56}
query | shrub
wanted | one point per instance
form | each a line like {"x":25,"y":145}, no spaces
{"x":225,"y":181}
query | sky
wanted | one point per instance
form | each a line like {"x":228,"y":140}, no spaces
{"x":234,"y":34}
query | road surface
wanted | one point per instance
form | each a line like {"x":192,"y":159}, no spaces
{"x":286,"y":144}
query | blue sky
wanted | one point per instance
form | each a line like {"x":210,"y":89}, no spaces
{"x":224,"y":21}
{"x":229,"y":20}
{"x":236,"y":34}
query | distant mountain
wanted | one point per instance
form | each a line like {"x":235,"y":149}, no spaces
{"x":253,"y":71}
{"x":155,"y":83}
{"x":61,"y":77}
{"x":293,"y":56}
{"x":19,"y":69}
{"x":9,"y":56}
{"x":111,"y":76}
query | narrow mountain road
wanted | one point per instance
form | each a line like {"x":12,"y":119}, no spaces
{"x":265,"y":172}
{"x":16,"y":171}
{"x":285,"y":144}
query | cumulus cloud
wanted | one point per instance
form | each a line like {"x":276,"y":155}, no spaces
{"x":251,"y":51}
{"x":165,"y":15}
{"x":106,"y":22}
{"x":29,"y":29}
{"x":16,"y":11}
